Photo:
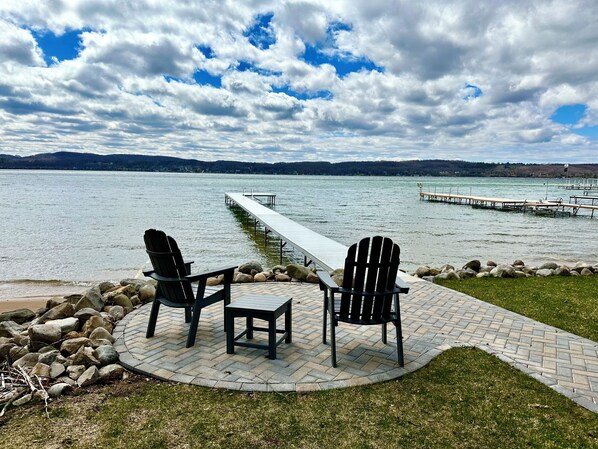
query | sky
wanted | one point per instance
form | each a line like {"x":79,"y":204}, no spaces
{"x":282,"y":81}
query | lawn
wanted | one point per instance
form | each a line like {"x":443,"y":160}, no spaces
{"x":569,"y":303}
{"x":464,"y":398}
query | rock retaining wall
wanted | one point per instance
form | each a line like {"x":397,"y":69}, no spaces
{"x":518,"y":269}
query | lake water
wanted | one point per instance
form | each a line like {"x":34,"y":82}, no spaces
{"x":59,"y":227}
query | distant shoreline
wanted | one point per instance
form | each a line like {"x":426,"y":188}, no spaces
{"x":435,"y":167}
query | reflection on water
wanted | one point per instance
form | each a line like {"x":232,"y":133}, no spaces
{"x":88,"y":226}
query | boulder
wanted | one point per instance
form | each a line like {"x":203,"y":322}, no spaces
{"x":520,"y":274}
{"x":67,"y":324}
{"x":85,"y":356}
{"x":296,"y":271}
{"x":111,"y":372}
{"x":18,"y":316}
{"x":586,"y":272}
{"x":248,"y":267}
{"x":281,"y":277}
{"x":312,"y":278}
{"x":10,"y":329}
{"x":279,"y":269}
{"x":260,"y":277}
{"x":27,"y":361}
{"x":579,"y":266}
{"x":74,"y":371}
{"x":574,"y":273}
{"x":213,"y":281}
{"x":106,"y":287}
{"x":5,"y":350}
{"x":93,"y":323}
{"x":503,"y":271}
{"x":54,"y":301}
{"x":483,"y":274}
{"x":59,"y":389}
{"x":446,"y":267}
{"x":48,"y":357}
{"x":422,"y":271}
{"x":467,"y":273}
{"x":242,"y":278}
{"x":44,"y":334}
{"x":544,"y":272}
{"x":485,"y":269}
{"x":16,"y":352}
{"x":135,"y":300}
{"x":518,"y":263}
{"x":84,"y":314}
{"x":57,"y":370}
{"x":134,"y":282}
{"x":118,"y":312}
{"x":106,"y":355}
{"x":89,"y":377}
{"x":451,"y":275}
{"x":101,"y":334}
{"x":562,"y":271}
{"x":72,"y":345}
{"x":147,"y":293}
{"x":473,"y":265}
{"x":548,"y":266}
{"x":124,"y":301}
{"x":67,"y":380}
{"x":92,"y":298}
{"x":491,"y":263}
{"x":73,"y":299}
{"x":64,"y":310}
{"x":41,"y":370}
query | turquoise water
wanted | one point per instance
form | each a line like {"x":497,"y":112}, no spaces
{"x":88,"y":226}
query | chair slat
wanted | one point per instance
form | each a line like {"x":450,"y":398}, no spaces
{"x":372,"y":276}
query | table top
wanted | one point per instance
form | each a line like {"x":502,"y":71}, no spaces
{"x":263,"y":303}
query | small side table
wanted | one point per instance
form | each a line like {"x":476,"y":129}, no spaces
{"x":264,"y":307}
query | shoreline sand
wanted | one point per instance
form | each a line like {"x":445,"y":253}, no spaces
{"x":32,"y":303}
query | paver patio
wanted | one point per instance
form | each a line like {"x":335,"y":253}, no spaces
{"x":434,"y":319}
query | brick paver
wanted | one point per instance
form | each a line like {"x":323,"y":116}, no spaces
{"x":434,"y":319}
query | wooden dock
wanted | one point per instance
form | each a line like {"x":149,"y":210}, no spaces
{"x":316,"y":248}
{"x":540,"y":207}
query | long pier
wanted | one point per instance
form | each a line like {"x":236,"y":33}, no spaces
{"x":316,"y":248}
{"x":549,"y":208}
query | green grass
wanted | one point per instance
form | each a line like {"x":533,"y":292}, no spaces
{"x":464,"y":398}
{"x":569,"y":303}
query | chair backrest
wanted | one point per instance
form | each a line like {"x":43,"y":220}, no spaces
{"x":371,"y":267}
{"x":167,"y":261}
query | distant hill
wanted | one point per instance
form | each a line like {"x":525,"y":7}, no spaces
{"x":126,"y":162}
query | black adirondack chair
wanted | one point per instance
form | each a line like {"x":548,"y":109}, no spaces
{"x":177,"y":287}
{"x":369,"y":294}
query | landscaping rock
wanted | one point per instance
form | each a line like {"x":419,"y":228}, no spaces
{"x":106,"y":287}
{"x":562,"y":271}
{"x":422,"y":271}
{"x":503,"y":271}
{"x":297,"y":271}
{"x":111,"y":372}
{"x":106,"y":355}
{"x":64,"y":310}
{"x":101,"y":334}
{"x":518,"y":263}
{"x":41,"y":370}
{"x":473,"y":265}
{"x":586,"y":272}
{"x":55,"y":301}
{"x":213,"y":281}
{"x":89,"y":377}
{"x":10,"y":329}
{"x":5,"y":350}
{"x":57,"y":370}
{"x":281,"y":277}
{"x":579,"y":266}
{"x":124,"y":301}
{"x":483,"y":274}
{"x":260,"y":277}
{"x":544,"y":272}
{"x":93,"y":323}
{"x":520,"y":274}
{"x":44,"y":334}
{"x":312,"y":278}
{"x":17,"y":352}
{"x":248,"y":267}
{"x":27,"y":361}
{"x":147,"y":293}
{"x":67,"y":324}
{"x":86,"y":313}
{"x":242,"y":278}
{"x":59,"y":389}
{"x":92,"y":298}
{"x":18,"y":316}
{"x":48,"y":357}
{"x":85,"y":356}
{"x":74,"y":371}
{"x":548,"y":266}
{"x":279,"y":269}
{"x":117,"y":312}
{"x":446,"y":267}
{"x":448,"y":275}
{"x":72,"y":345}
{"x":491,"y":263}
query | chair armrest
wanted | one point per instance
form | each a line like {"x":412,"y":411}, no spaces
{"x":211,"y":273}
{"x":188,"y":266}
{"x":152,"y":274}
{"x":402,"y":285}
{"x":326,"y":281}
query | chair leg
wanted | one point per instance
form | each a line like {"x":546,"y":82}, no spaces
{"x":325,"y":317}
{"x":384,"y":331}
{"x":399,"y":332}
{"x":332,"y":334}
{"x":187,"y":314}
{"x":194,"y":324}
{"x":151,"y":325}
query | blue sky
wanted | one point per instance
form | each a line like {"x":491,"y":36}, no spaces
{"x":289,"y":81}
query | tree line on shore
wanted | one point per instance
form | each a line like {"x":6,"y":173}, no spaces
{"x":436,"y":167}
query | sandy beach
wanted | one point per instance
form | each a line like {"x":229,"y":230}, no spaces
{"x":30,"y":302}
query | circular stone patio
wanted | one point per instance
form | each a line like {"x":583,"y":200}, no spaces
{"x":303,"y":365}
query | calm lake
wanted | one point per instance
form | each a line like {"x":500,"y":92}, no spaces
{"x":60,"y":227}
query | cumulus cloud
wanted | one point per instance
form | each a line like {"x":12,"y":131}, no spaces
{"x":302,"y":79}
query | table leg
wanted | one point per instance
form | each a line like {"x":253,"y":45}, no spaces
{"x":288,"y":325}
{"x":272,"y":337}
{"x":249,"y":327}
{"x":229,"y":323}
